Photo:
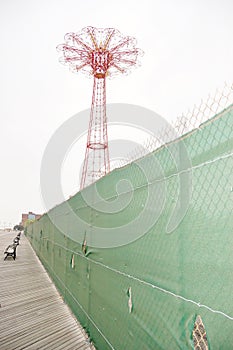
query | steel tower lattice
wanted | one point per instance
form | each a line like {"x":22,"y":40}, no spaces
{"x":100,"y":53}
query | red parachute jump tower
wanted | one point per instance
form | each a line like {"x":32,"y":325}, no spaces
{"x":99,"y":53}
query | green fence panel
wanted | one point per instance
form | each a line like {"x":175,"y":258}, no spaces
{"x":146,"y":294}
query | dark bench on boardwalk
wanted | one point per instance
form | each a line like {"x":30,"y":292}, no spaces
{"x":16,"y":240}
{"x":10,"y":251}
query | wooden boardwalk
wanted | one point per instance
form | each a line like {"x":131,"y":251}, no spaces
{"x":32,"y":313}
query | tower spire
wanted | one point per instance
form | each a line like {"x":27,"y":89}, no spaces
{"x":99,"y":53}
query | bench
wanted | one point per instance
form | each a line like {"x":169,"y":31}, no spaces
{"x":10,"y":251}
{"x":16,"y":240}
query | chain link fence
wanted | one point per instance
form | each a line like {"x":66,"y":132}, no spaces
{"x":164,"y":288}
{"x":185,"y":123}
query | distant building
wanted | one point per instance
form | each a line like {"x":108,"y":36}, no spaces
{"x":26,"y":218}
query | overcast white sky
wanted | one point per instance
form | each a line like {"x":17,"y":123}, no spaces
{"x":188,"y":54}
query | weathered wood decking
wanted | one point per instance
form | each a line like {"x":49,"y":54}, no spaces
{"x":32,"y":313}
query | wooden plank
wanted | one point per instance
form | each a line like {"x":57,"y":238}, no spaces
{"x":33,"y":315}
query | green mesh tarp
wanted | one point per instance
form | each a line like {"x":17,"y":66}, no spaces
{"x":169,"y":264}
